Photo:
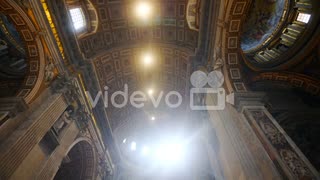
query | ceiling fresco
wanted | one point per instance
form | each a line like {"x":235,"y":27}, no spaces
{"x":263,"y":19}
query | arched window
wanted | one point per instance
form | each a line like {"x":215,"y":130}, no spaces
{"x":303,"y":17}
{"x":83,"y":17}
{"x":78,"y":19}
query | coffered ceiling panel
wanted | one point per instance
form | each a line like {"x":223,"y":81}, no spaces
{"x":118,"y":26}
{"x":120,"y":67}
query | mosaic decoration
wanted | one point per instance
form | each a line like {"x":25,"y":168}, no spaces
{"x":263,"y":18}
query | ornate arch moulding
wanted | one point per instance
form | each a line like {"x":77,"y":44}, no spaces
{"x":304,"y":82}
{"x":89,"y":150}
{"x":193,"y":14}
{"x":34,"y":49}
{"x":231,"y":52}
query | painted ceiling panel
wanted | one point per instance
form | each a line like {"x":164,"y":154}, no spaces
{"x":262,"y":20}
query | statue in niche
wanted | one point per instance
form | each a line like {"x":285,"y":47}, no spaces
{"x":49,"y":70}
{"x":218,"y":64}
{"x":218,"y":61}
{"x":64,"y":120}
{"x":103,"y":168}
{"x":82,"y":117}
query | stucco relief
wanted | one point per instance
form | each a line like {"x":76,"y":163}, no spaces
{"x":294,"y":163}
{"x":297,"y":166}
{"x":272,"y":133}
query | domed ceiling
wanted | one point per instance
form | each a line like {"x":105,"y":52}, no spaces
{"x":264,"y":17}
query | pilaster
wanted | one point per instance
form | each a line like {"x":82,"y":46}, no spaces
{"x":33,"y":127}
{"x":285,"y":155}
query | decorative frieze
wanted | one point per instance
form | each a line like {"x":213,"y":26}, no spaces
{"x":281,"y":149}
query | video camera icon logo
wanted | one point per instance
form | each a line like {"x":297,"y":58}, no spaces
{"x":215,"y":80}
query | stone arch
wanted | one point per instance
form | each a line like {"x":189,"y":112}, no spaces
{"x":306,"y":83}
{"x":79,"y":162}
{"x":35,"y":56}
{"x":234,"y":17}
{"x":94,"y":20}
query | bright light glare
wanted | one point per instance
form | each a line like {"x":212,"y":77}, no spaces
{"x":143,"y":10}
{"x":170,"y":153}
{"x":153,"y":118}
{"x":303,"y":17}
{"x":150,"y":91}
{"x":124,"y":141}
{"x":145,"y":150}
{"x":133,"y":146}
{"x":78,"y":19}
{"x":147,"y":59}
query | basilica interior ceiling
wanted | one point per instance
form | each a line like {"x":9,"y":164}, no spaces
{"x":120,"y":27}
{"x":258,"y":46}
{"x":121,"y":40}
{"x":123,"y":67}
{"x":116,"y":50}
